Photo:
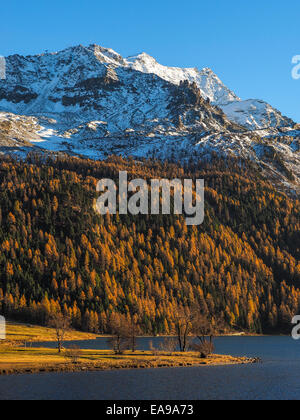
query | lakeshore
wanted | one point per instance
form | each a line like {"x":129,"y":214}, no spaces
{"x":39,"y":360}
{"x":276,"y":378}
{"x":17,"y":356}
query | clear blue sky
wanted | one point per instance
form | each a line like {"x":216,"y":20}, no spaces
{"x":249,"y":44}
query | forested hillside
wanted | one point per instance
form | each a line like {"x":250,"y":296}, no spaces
{"x":57,"y":253}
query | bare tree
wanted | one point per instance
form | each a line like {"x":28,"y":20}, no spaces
{"x":191,"y":325}
{"x":169,"y":345}
{"x":133,"y":330}
{"x":61,"y":323}
{"x":204,"y":330}
{"x":73,"y":353}
{"x":152,"y":348}
{"x":119,"y":341}
{"x":184,"y":327}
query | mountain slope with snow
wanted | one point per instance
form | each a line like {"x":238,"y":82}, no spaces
{"x":253,"y":114}
{"x":92,"y":101}
{"x":209,"y":84}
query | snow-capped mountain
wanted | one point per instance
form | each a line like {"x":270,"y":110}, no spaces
{"x":253,"y":114}
{"x":82,"y":84}
{"x":92,"y":101}
{"x":209,"y":84}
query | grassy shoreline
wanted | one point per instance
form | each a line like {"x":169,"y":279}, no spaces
{"x":18,"y":357}
{"x":17,"y":333}
{"x":23,"y":361}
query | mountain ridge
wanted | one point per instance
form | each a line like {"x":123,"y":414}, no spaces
{"x":92,"y":101}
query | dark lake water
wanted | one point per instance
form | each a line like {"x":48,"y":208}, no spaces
{"x":278,"y":377}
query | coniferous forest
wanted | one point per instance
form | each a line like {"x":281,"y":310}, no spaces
{"x":58,"y":254}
